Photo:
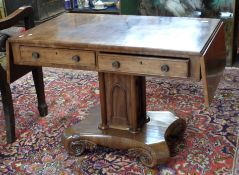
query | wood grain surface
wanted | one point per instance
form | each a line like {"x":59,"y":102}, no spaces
{"x":128,"y":34}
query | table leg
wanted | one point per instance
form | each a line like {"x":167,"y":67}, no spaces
{"x":123,"y":103}
{"x":124,"y":123}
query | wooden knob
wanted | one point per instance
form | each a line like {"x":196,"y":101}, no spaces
{"x":35,"y":55}
{"x":76,"y":58}
{"x":116,"y":64}
{"x":165,"y":68}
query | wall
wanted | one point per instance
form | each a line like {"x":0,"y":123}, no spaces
{"x":129,"y":7}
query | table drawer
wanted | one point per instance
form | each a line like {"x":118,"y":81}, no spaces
{"x":144,"y":65}
{"x":51,"y":56}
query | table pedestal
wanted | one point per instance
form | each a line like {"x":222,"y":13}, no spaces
{"x":124,"y":123}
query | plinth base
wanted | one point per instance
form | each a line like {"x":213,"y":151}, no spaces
{"x":150,"y":145}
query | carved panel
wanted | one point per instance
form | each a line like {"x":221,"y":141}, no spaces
{"x":117,"y":100}
{"x":119,"y":105}
{"x":124,"y":101}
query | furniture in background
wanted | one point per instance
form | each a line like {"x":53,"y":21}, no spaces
{"x":2,"y":10}
{"x":235,"y":49}
{"x":43,"y":9}
{"x":123,"y":54}
{"x":10,"y":72}
{"x":126,"y":8}
{"x":109,"y":10}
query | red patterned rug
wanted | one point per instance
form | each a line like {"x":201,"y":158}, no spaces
{"x":210,"y":145}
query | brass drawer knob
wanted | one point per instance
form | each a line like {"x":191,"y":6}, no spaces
{"x":165,"y":68}
{"x":76,"y":58}
{"x":116,"y":64}
{"x":35,"y":55}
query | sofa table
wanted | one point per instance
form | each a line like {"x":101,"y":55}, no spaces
{"x":125,"y":49}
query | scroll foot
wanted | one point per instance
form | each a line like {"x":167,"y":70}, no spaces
{"x":78,"y":147}
{"x":145,"y":156}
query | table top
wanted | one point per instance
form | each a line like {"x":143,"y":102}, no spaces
{"x":124,"y":33}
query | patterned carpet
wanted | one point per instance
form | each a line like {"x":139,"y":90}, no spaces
{"x":210,"y":145}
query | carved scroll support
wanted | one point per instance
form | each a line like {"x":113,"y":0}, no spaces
{"x":152,"y":145}
{"x":147,"y":157}
{"x":78,"y":146}
{"x":124,"y":123}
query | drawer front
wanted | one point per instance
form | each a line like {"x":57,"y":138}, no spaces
{"x":143,"y":65}
{"x":50,"y":56}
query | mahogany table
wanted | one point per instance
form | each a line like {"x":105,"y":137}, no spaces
{"x":125,"y":49}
